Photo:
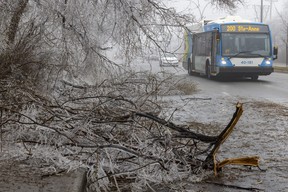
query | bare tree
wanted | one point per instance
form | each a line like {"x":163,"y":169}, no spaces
{"x":279,"y":26}
{"x":80,"y":35}
{"x":227,"y":3}
{"x":113,"y":126}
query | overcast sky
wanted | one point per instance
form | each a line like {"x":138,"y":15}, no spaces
{"x":250,"y":10}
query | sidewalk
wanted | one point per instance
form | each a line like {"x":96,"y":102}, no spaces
{"x":22,"y":176}
{"x":280,"y":64}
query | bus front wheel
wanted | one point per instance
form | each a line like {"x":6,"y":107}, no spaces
{"x":189,"y":67}
{"x":208,"y":73}
{"x":254,"y":77}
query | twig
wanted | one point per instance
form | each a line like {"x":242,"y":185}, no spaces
{"x":197,"y":98}
{"x":72,"y":85}
{"x":235,"y":186}
{"x":54,"y":173}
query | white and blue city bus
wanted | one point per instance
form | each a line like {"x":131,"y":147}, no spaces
{"x":229,"y":46}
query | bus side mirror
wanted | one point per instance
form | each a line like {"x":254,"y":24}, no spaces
{"x":275,"y":52}
{"x":217,"y":36}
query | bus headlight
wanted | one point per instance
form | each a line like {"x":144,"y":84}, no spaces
{"x":267,"y":62}
{"x":223,"y":62}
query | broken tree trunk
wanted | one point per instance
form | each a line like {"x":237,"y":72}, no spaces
{"x":211,"y":158}
{"x":216,"y":141}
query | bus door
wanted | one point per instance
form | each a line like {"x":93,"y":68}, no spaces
{"x":215,"y":44}
{"x":202,"y":43}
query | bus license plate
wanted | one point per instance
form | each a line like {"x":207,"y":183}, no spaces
{"x":246,"y":62}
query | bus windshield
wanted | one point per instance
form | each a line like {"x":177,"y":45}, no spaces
{"x":245,"y":45}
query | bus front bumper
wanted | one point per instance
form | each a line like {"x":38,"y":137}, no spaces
{"x":246,"y":71}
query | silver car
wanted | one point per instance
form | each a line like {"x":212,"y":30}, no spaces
{"x":168,"y":59}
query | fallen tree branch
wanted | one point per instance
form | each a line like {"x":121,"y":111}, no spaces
{"x":79,"y":121}
{"x":183,"y":132}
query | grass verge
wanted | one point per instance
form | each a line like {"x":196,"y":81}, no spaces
{"x":281,"y":69}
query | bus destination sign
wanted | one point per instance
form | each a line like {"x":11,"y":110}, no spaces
{"x":238,"y":28}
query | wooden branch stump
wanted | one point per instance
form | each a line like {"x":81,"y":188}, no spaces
{"x":211,"y":158}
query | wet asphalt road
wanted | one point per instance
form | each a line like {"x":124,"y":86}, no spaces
{"x":273,"y":87}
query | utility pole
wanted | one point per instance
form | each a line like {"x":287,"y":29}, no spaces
{"x":271,"y":9}
{"x":257,"y":9}
{"x":261,"y":12}
{"x":287,"y":48}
